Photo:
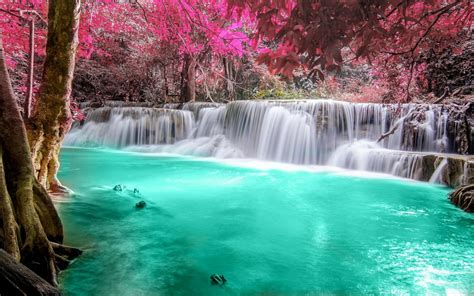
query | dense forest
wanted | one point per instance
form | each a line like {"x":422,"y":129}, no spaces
{"x":61,"y":59}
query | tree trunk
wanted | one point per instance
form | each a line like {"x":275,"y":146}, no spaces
{"x":51,"y":118}
{"x":188,"y":79}
{"x":28,"y":219}
{"x":165,"y":84}
{"x":31,"y":68}
{"x":229,"y":72}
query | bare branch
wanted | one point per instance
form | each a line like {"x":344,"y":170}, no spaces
{"x":390,"y":132}
{"x":440,"y":13}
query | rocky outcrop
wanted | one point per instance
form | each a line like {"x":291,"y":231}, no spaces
{"x":458,"y":121}
{"x":459,"y":171}
{"x":453,"y":170}
{"x":463,"y":197}
{"x":461,"y":127}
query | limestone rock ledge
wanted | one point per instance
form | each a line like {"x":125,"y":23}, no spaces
{"x":452,"y":170}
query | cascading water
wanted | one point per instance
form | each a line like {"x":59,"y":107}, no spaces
{"x":436,"y":177}
{"x":119,"y":127}
{"x":321,"y":132}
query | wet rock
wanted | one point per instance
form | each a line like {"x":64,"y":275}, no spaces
{"x":470,"y":126}
{"x":459,"y":128}
{"x":453,"y":173}
{"x":468,"y":176}
{"x":413,"y":127}
{"x":217,"y":279}
{"x":427,"y":167}
{"x":463,"y":197}
{"x":136,"y":191}
{"x":119,"y":188}
{"x":140,"y":205}
{"x":458,"y":170}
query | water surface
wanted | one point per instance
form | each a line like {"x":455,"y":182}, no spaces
{"x":269,"y":231}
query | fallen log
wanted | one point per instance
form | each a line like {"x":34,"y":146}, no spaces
{"x":17,"y":279}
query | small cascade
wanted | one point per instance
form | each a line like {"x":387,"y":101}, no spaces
{"x":210,"y":122}
{"x":369,"y":156}
{"x":372,"y":137}
{"x":120,"y":127}
{"x":438,"y":173}
{"x":198,"y":106}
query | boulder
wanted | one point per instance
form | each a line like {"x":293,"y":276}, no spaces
{"x":140,"y":205}
{"x":463,"y":197}
{"x":217,"y":279}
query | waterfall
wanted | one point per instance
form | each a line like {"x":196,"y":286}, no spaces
{"x":316,"y":132}
{"x":437,"y":174}
{"x":368,"y":156}
{"x":118,"y":127}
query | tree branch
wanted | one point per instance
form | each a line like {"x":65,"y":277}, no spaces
{"x":390,"y":132}
{"x":440,"y":13}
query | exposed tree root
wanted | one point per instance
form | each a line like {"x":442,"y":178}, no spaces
{"x":16,"y":279}
{"x":47,"y":213}
{"x":67,"y":252}
{"x":64,"y":255}
{"x":28,"y":219}
{"x":9,"y":234}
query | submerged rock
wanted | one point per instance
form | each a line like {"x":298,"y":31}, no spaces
{"x":140,"y":205}
{"x":125,"y":190}
{"x":217,"y":279}
{"x":463,"y":197}
{"x":119,"y":187}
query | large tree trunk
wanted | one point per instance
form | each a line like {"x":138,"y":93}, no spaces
{"x":51,"y":118}
{"x":31,"y":71}
{"x":188,"y":79}
{"x":28,"y":219}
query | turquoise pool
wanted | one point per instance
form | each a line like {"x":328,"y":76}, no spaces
{"x":270,"y":231}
